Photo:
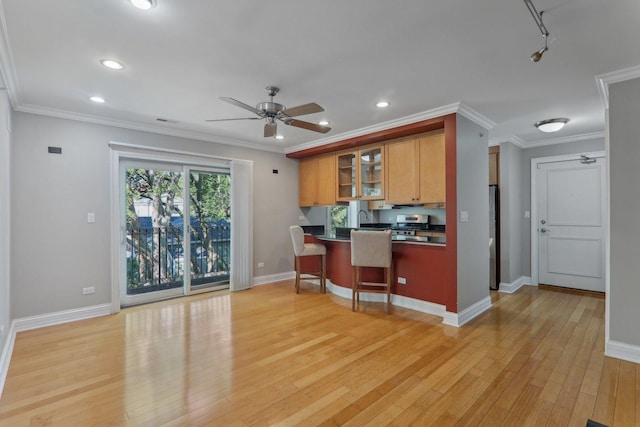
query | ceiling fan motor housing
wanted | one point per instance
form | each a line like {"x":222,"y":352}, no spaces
{"x":270,"y":108}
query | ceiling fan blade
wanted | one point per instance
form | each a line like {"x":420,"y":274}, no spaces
{"x":301,"y":110}
{"x":270,"y":129}
{"x":306,"y":125}
{"x":240,"y":118}
{"x":242,"y":105}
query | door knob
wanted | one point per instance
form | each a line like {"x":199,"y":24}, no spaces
{"x":543,"y":222}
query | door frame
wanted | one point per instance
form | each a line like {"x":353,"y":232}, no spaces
{"x":534,"y":203}
{"x":123,"y":152}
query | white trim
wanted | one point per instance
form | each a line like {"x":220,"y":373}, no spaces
{"x":272,"y":278}
{"x":468,"y":314}
{"x":534,"y":203}
{"x":515,"y":140}
{"x":604,"y":80}
{"x":566,"y":139}
{"x":397,"y":300}
{"x":59,"y":317}
{"x":509,"y":288}
{"x":456,"y":107}
{"x":7,"y":67}
{"x":5,"y":356}
{"x":179,"y":133}
{"x":620,"y":350}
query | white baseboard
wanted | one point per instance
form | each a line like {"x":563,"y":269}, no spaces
{"x":57,"y":318}
{"x":620,"y":350}
{"x":468,"y":314}
{"x":509,"y":288}
{"x":5,"y":356}
{"x":397,"y":300}
{"x":271,"y":278}
{"x":41,"y":321}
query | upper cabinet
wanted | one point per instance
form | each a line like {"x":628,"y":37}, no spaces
{"x":317,"y":181}
{"x":361,"y":174}
{"x":494,"y":165}
{"x":415,"y":170}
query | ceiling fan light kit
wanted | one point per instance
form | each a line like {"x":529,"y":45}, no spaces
{"x":272,"y":111}
{"x":537,"y":17}
{"x":551,"y":125}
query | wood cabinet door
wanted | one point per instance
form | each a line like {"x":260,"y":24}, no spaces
{"x":401,"y":172}
{"x":432,"y":174}
{"x":308,"y":182}
{"x":326,"y":181}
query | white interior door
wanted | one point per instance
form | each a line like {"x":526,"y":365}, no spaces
{"x":570,"y":223}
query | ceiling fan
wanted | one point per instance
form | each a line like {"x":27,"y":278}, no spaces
{"x":272,"y":111}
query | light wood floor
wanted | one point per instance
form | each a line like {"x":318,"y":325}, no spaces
{"x":270,"y":357}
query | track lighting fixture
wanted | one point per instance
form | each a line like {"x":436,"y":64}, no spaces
{"x":537,"y":17}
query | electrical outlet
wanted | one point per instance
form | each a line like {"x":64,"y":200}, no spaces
{"x":89,"y":290}
{"x":261,"y":265}
{"x":402,"y":280}
{"x":301,"y":218}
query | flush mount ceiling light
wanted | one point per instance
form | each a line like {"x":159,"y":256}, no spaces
{"x":112,"y":64}
{"x":279,"y":137}
{"x":97,"y":99}
{"x":551,"y":125}
{"x":537,"y":16}
{"x":382,"y":104}
{"x":143,"y":4}
{"x":323,"y":123}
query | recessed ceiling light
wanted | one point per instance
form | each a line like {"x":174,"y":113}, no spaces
{"x":551,"y":125}
{"x":382,"y":104}
{"x":143,"y":4}
{"x":279,"y":137}
{"x":323,"y":123}
{"x":97,"y":99}
{"x":112,"y":64}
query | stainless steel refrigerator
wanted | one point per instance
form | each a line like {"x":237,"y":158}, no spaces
{"x":494,"y":238}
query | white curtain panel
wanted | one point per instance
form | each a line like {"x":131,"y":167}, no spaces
{"x":241,"y":224}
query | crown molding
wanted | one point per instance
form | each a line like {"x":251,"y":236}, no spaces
{"x":604,"y":80}
{"x":566,"y":139}
{"x":456,"y":107}
{"x":52,"y":112}
{"x":515,"y":140}
{"x":475,"y":117}
{"x":7,"y":69}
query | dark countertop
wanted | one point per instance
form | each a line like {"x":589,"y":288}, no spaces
{"x":433,"y":241}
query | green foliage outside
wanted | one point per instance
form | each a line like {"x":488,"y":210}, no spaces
{"x":339,"y":217}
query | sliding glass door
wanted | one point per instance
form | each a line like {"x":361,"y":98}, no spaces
{"x":176,"y":233}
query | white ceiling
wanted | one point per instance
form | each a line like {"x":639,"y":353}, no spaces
{"x":420,"y":55}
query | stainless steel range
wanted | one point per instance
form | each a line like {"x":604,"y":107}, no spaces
{"x":408,"y":225}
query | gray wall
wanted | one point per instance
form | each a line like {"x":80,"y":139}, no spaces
{"x":5,"y":218}
{"x":536,"y":152}
{"x":473,"y":197}
{"x":510,"y":212}
{"x":624,"y":157}
{"x":55,"y":252}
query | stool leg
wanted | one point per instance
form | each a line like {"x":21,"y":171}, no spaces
{"x":354,"y":284}
{"x":298,"y":274}
{"x":323,"y":280}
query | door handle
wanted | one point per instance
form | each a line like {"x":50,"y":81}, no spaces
{"x":543,"y":230}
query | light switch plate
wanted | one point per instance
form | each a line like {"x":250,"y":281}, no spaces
{"x":527,"y":214}
{"x":91,"y":217}
{"x":464,"y":216}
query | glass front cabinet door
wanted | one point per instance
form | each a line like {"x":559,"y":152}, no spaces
{"x":360,"y":174}
{"x":371,"y":174}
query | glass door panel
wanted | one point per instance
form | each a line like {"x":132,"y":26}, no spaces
{"x":371,"y":173}
{"x":210,"y":229}
{"x":153,"y":232}
{"x":347,"y":176}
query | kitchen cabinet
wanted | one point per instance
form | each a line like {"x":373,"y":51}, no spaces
{"x":415,"y":170}
{"x":494,"y":165}
{"x":361,"y":174}
{"x":317,"y":180}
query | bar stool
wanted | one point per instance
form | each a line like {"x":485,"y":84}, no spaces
{"x":300,"y":249}
{"x":371,"y":249}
